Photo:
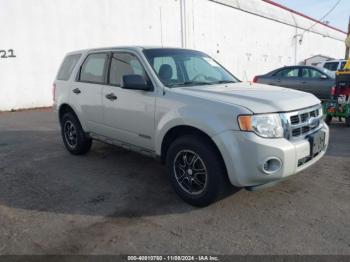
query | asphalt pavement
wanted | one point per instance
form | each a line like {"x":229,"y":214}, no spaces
{"x":112,"y":201}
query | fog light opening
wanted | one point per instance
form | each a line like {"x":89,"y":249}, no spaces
{"x":271,"y":165}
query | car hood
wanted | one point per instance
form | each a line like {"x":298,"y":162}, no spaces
{"x":258,"y":98}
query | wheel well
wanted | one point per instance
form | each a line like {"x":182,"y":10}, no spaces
{"x":179,"y":131}
{"x":65,"y":108}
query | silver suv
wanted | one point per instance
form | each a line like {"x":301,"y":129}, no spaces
{"x":182,"y":107}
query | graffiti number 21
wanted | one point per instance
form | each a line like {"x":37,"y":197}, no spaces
{"x":7,"y":54}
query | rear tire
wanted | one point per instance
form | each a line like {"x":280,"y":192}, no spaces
{"x":328,"y":119}
{"x":196,"y":170}
{"x":74,"y":138}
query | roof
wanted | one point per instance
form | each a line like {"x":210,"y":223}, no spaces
{"x":336,"y":60}
{"x":128,"y":48}
{"x":328,"y":57}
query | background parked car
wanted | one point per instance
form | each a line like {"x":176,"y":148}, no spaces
{"x":304,"y":78}
{"x":332,"y":66}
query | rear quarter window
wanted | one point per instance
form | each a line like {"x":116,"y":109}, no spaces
{"x":67,"y":67}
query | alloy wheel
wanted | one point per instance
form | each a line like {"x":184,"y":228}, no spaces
{"x":190,"y":172}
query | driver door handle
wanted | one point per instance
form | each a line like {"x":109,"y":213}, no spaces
{"x":111,"y":97}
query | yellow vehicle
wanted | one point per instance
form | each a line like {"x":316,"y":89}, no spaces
{"x":339,"y":106}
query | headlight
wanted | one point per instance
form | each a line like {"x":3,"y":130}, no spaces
{"x":320,"y":112}
{"x":269,"y":125}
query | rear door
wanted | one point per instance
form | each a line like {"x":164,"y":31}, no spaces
{"x":269,"y":79}
{"x":86,"y":91}
{"x":288,"y":77}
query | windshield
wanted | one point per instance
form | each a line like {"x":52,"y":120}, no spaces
{"x":180,"y":67}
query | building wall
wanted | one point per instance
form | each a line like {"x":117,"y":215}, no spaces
{"x":40,"y":32}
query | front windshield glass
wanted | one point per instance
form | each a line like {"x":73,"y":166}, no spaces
{"x":180,"y":67}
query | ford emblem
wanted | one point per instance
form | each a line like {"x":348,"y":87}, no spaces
{"x":313,"y":122}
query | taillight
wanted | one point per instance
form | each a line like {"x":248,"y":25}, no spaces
{"x":54,"y":92}
{"x":255,"y":79}
{"x":333,"y":91}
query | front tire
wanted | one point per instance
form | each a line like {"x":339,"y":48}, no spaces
{"x":328,"y":119}
{"x":197,"y":172}
{"x":74,"y":138}
{"x":347,"y":121}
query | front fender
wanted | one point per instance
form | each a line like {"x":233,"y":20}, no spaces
{"x":208,"y":121}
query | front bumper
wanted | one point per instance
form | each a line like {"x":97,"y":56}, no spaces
{"x":244,"y":154}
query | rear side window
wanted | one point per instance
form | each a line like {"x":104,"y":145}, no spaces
{"x":67,"y":67}
{"x":332,"y":66}
{"x":311,"y":73}
{"x":93,"y":69}
{"x":289,"y":72}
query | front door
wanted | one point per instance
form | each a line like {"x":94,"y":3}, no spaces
{"x":128,"y":114}
{"x":317,"y":83}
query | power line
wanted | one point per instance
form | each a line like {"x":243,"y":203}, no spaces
{"x":323,"y":17}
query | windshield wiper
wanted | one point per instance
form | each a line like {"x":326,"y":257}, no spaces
{"x":189,"y":83}
{"x":225,"y":82}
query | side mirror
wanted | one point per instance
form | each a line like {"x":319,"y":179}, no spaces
{"x":324,"y":77}
{"x":134,"y":82}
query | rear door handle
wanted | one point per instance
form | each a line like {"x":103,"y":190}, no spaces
{"x":76,"y":91}
{"x":111,"y":97}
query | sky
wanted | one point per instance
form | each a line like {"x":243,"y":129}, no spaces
{"x":317,"y":8}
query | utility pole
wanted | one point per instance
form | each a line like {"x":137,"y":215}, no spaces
{"x":183,"y":23}
{"x":347,"y":42}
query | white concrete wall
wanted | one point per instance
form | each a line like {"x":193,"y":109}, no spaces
{"x":41,"y":31}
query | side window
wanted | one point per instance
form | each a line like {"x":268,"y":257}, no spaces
{"x":315,"y":74}
{"x":311,"y":73}
{"x":94,"y":68}
{"x":289,"y":72}
{"x":124,"y":64}
{"x":67,"y":67}
{"x":332,"y":66}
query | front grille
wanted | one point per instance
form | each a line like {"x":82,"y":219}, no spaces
{"x":299,"y":124}
{"x":294,"y":120}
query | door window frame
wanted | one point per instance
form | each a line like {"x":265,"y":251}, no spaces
{"x":310,"y":69}
{"x":111,"y":53}
{"x":105,"y":69}
{"x":288,"y":77}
